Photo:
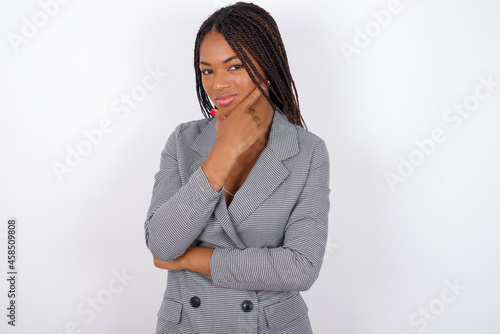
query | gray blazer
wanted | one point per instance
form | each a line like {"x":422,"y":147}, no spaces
{"x":268,"y":245}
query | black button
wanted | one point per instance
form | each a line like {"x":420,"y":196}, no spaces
{"x":246,"y":306}
{"x":195,"y":302}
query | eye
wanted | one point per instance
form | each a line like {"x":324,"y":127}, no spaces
{"x":206,"y":72}
{"x":238,"y":66}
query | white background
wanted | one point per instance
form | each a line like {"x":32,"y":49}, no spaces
{"x":393,"y":251}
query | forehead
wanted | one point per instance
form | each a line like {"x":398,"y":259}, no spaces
{"x":215,"y":49}
{"x":214,"y":46}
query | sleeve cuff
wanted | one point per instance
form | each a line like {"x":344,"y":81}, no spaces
{"x":216,"y":270}
{"x":205,"y":190}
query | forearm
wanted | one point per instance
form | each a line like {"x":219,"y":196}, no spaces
{"x":178,"y":212}
{"x":218,"y":165}
{"x":198,"y":259}
{"x":177,"y":222}
{"x":271,"y":269}
{"x":195,"y":258}
{"x":182,"y":217}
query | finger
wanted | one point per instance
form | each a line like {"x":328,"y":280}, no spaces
{"x":248,"y":101}
{"x":217,"y":114}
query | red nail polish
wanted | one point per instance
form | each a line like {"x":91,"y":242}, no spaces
{"x":212,"y":112}
{"x":269,"y":83}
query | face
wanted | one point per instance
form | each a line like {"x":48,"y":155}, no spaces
{"x":223,"y":73}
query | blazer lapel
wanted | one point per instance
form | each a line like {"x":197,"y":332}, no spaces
{"x":269,"y":171}
{"x":266,"y":175}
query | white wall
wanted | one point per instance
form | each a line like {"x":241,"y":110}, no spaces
{"x":394,"y":250}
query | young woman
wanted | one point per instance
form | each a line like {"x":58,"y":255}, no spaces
{"x":239,"y":211}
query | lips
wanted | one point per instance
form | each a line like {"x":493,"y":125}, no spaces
{"x":226,"y":99}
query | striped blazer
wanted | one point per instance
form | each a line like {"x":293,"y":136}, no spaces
{"x":268,"y":244}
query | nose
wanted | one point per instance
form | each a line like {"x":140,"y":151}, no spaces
{"x":220,"y":82}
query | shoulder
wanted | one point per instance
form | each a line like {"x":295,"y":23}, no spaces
{"x":311,"y":147}
{"x":310,"y":141}
{"x":305,"y":135}
{"x":185,"y":134}
{"x":192,"y":128}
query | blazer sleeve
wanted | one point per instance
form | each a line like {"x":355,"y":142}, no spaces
{"x":177,"y":213}
{"x":296,"y":264}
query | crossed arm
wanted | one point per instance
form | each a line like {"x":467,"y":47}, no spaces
{"x":195,"y":258}
{"x":293,"y":266}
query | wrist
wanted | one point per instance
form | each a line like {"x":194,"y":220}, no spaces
{"x":218,"y":165}
{"x":199,"y":260}
{"x":185,"y":260}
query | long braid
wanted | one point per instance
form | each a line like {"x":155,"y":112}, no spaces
{"x":248,"y":28}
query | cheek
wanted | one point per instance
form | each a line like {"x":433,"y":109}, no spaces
{"x":204,"y":82}
{"x":244,"y":80}
{"x":206,"y":86}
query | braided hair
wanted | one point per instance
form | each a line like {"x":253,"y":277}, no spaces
{"x":246,"y":26}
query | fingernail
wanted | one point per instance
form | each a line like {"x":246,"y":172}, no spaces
{"x":212,"y":112}
{"x":268,"y":82}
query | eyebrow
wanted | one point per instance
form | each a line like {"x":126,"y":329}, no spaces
{"x":225,"y":61}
